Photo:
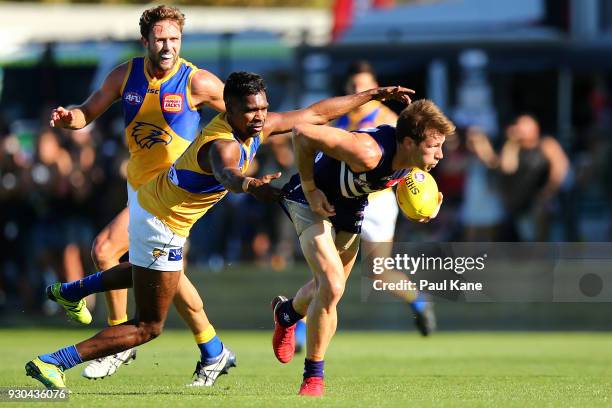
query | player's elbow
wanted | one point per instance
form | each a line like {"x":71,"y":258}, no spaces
{"x":305,"y":132}
{"x":229,"y":181}
{"x":298,"y":132}
{"x":365,"y":159}
{"x":302,"y":139}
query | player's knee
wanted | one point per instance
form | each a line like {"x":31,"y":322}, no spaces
{"x":99,"y":253}
{"x":331,"y":291}
{"x":150,"y":330}
{"x":155,"y":330}
{"x":103,"y":254}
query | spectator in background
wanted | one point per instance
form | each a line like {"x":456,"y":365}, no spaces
{"x":481,"y":210}
{"x":450,"y":175}
{"x":16,"y":220}
{"x":64,"y":175}
{"x":532,"y":169}
{"x":47,"y":184}
{"x":78,"y":228}
{"x":49,"y":176}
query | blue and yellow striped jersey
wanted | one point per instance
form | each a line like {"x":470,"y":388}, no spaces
{"x":160,"y":119}
{"x":372,"y":118}
{"x":182,"y":194}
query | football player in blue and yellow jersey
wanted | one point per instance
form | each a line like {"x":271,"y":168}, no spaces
{"x":326,"y":200}
{"x":361,"y":76}
{"x":167,"y":206}
{"x":160,"y":94}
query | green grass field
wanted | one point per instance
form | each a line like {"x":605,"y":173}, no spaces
{"x":363,"y":369}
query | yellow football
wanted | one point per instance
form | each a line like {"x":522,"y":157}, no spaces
{"x":417,"y":194}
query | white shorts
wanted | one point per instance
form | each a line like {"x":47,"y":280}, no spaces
{"x":131,"y":194}
{"x":380,"y":217}
{"x":152,"y":244}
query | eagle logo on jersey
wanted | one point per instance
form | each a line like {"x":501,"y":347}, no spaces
{"x":146,"y":135}
{"x":158,"y":253}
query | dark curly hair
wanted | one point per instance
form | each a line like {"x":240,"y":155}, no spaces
{"x":241,"y":84}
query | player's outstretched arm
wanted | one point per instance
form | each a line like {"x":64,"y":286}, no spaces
{"x":359,"y":150}
{"x":327,"y":110}
{"x":77,"y":117}
{"x":207,"y":89}
{"x":222,"y":158}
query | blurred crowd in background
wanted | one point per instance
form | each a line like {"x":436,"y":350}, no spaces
{"x":59,"y":187}
{"x":513,"y":180}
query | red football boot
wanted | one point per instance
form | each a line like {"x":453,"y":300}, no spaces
{"x":312,"y":387}
{"x":283,"y":341}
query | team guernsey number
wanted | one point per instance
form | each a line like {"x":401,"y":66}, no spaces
{"x":146,"y":135}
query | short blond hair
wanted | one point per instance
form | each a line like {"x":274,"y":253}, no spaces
{"x":155,"y":14}
{"x":420,"y":116}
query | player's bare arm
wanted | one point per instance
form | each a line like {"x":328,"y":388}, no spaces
{"x":207,"y":89}
{"x":222,"y":158}
{"x":327,"y":110}
{"x":358,"y":150}
{"x":77,"y":117}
